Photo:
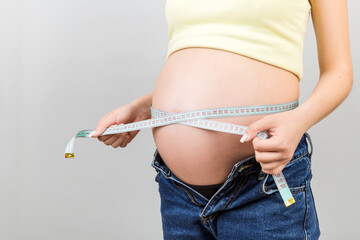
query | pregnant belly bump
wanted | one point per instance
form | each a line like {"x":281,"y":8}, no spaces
{"x":200,"y":78}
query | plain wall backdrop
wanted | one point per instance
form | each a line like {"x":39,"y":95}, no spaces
{"x":63,"y":65}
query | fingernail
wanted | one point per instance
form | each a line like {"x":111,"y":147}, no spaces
{"x":244,"y":137}
{"x":92,"y":133}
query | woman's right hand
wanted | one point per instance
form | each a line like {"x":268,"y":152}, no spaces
{"x":127,"y":113}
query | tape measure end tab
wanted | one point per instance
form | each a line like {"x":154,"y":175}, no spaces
{"x":289,"y":202}
{"x":69,"y":155}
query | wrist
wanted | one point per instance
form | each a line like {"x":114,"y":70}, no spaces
{"x":304,"y":115}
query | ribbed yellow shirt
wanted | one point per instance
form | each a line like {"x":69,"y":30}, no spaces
{"x":271,"y":31}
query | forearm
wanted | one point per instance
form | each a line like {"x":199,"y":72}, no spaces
{"x":142,"y":104}
{"x":331,"y":90}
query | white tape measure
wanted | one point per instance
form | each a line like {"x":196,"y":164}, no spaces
{"x":197,"y":118}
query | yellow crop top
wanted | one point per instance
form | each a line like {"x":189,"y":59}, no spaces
{"x":271,"y":31}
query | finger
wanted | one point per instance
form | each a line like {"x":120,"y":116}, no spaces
{"x":266,"y":157}
{"x":125,"y":142}
{"x":103,"y":124}
{"x":104,"y":138}
{"x":119,"y":141}
{"x":111,"y":140}
{"x":133,"y":134}
{"x":267,"y":145}
{"x":272,"y":169}
{"x":261,"y":125}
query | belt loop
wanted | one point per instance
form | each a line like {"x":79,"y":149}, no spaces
{"x":307,"y":135}
{"x":168,"y":174}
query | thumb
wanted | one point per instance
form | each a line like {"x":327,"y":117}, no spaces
{"x":102,"y":126}
{"x":253,"y":129}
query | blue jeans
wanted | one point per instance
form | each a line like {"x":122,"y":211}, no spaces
{"x":247,"y":206}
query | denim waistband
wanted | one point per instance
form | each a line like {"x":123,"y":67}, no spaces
{"x":241,"y":166}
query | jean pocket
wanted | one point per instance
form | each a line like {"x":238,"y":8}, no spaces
{"x":296,"y":173}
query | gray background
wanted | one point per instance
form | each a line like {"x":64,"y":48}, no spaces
{"x":63,"y":65}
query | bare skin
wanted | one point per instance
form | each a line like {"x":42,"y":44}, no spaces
{"x":199,"y":78}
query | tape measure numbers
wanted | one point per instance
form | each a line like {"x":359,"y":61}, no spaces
{"x":198,"y":118}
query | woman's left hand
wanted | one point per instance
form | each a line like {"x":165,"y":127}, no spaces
{"x":285,"y":130}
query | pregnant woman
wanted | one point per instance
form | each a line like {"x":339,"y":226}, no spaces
{"x":234,"y":53}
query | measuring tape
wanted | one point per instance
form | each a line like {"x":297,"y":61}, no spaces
{"x":197,"y":118}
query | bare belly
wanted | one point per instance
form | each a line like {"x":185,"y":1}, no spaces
{"x":199,"y":78}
